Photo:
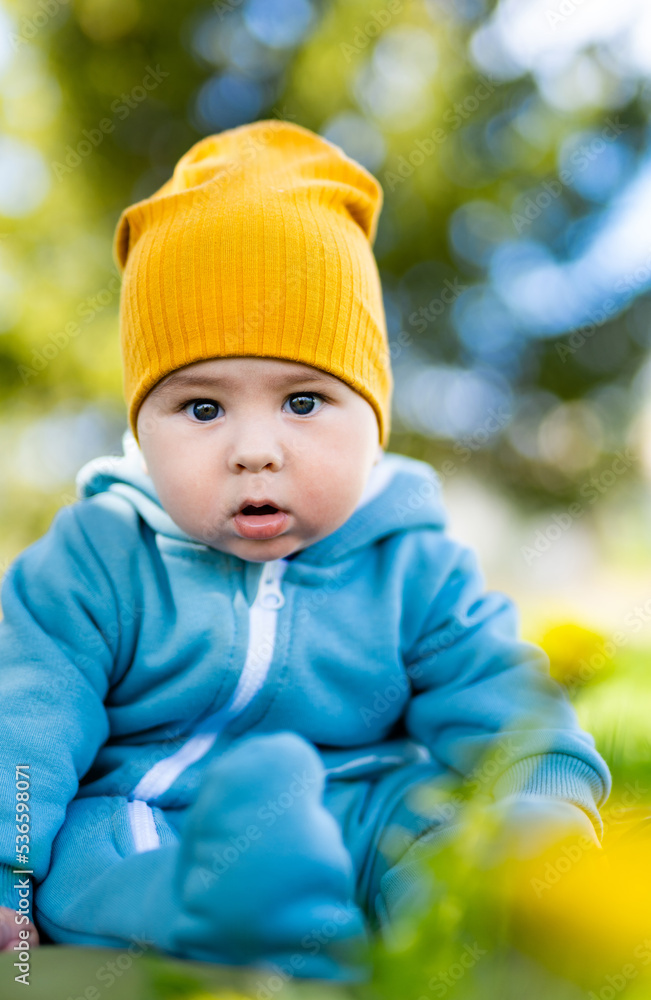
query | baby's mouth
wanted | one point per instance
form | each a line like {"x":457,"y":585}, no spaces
{"x":260,"y":521}
{"x":255,"y":511}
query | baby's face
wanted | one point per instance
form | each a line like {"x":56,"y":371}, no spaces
{"x":222,"y":434}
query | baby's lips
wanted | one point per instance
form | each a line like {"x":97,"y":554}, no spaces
{"x":262,"y":526}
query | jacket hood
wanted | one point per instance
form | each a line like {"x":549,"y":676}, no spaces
{"x":401,"y":493}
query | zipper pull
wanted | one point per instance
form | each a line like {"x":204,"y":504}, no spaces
{"x":270,"y":595}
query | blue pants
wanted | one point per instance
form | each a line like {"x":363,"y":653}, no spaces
{"x":272,"y":865}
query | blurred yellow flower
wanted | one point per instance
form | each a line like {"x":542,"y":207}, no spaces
{"x":577,"y":655}
{"x":586,"y":913}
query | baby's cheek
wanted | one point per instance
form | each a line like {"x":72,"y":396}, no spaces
{"x":333,"y":507}
{"x":202,"y":521}
{"x":186,"y":508}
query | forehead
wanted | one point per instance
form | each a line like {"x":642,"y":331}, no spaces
{"x":234,"y":372}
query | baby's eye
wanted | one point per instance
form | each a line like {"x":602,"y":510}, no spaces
{"x":203,"y":410}
{"x":303,"y":403}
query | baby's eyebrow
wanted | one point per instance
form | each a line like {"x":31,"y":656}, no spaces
{"x":188,"y":381}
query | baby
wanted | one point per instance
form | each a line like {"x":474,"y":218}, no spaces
{"x":228,"y":670}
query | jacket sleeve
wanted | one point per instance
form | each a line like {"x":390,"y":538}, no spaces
{"x":483,"y":701}
{"x":56,"y":656}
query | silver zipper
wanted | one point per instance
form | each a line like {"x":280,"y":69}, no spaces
{"x":263,"y":616}
{"x":143,"y":826}
{"x":269,"y":599}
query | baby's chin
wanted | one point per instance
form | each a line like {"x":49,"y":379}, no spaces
{"x":260,"y":551}
{"x":252,"y":549}
{"x":299,"y":534}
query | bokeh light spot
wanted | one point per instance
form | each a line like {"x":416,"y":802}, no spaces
{"x":24,"y":178}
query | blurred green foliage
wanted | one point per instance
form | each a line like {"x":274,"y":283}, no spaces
{"x":73,"y":90}
{"x":382,"y":79}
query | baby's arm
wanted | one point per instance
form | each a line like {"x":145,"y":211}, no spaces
{"x":56,"y":658}
{"x":481,"y":693}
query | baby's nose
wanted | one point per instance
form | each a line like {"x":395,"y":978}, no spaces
{"x":256,"y":452}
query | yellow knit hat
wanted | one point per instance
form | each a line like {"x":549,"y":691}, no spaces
{"x":259,"y":245}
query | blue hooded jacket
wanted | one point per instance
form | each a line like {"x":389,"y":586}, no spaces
{"x":131,"y":654}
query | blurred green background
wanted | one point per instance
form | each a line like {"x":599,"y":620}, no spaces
{"x":512,"y":141}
